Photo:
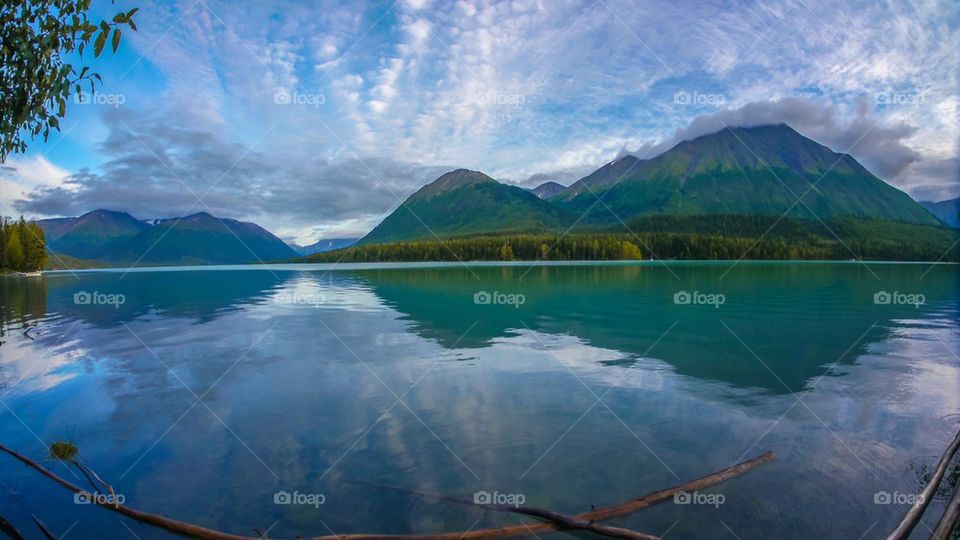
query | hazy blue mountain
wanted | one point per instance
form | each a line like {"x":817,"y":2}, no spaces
{"x":199,"y":238}
{"x":757,"y":170}
{"x":322,"y":246}
{"x":947,"y":211}
{"x":464,"y":202}
{"x":548,"y":189}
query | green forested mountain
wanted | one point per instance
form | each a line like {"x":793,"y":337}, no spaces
{"x":757,"y":170}
{"x":464,"y":202}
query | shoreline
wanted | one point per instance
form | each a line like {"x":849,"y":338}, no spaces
{"x":473,"y":264}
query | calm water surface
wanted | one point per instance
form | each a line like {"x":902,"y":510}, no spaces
{"x":208,"y":391}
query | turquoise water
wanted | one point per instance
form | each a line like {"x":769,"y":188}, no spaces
{"x":201,"y":393}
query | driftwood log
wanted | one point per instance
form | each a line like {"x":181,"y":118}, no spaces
{"x":507,"y":531}
{"x":950,"y":519}
{"x":926,"y":496}
{"x":547,"y":515}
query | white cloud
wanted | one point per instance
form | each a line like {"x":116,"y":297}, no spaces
{"x":22,"y":175}
{"x":524,"y":87}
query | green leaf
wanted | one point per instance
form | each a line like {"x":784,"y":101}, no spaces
{"x":116,"y":39}
{"x":99,"y":43}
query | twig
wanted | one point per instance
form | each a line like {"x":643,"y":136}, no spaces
{"x":43,"y":528}
{"x":113,"y":494}
{"x":507,"y":531}
{"x":8,"y":529}
{"x":85,"y":473}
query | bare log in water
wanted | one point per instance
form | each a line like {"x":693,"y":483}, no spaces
{"x":548,"y":515}
{"x":950,"y":519}
{"x":923,"y":500}
{"x":508,"y":531}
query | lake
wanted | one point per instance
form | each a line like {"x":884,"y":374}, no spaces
{"x":204,"y":394}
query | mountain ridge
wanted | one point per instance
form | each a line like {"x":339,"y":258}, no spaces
{"x":756,"y":170}
{"x":199,"y":238}
{"x":465,"y":202}
{"x":761,"y":170}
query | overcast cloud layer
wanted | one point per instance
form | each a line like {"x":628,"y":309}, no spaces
{"x":317,"y":119}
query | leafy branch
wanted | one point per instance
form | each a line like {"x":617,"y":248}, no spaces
{"x":36,"y":78}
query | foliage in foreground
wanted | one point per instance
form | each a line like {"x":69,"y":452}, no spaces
{"x":36,"y":77}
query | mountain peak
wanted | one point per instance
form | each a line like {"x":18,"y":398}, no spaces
{"x":102,"y":213}
{"x":452,"y":180}
{"x":548,"y":189}
{"x":465,"y":202}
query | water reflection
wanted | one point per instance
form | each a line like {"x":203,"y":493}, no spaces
{"x":298,"y":375}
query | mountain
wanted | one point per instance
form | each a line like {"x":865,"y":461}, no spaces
{"x":200,"y":238}
{"x":757,"y":170}
{"x":464,"y":202}
{"x":91,"y":235}
{"x":548,"y":189}
{"x":947,"y":211}
{"x":322,"y":246}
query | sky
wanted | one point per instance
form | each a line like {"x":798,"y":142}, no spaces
{"x":317,"y":119}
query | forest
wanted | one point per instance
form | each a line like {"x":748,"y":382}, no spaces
{"x":713,"y":237}
{"x":23,"y":246}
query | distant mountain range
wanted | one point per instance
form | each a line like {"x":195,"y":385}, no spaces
{"x":118,"y":237}
{"x":745,"y":171}
{"x":947,"y":211}
{"x":738,"y":172}
{"x":322,"y":246}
